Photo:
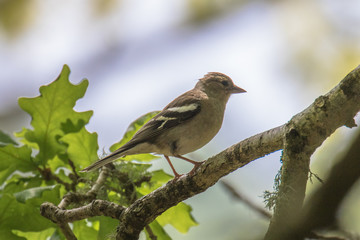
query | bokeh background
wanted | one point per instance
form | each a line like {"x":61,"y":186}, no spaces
{"x":139,"y":55}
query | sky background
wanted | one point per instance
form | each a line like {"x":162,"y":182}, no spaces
{"x":140,"y":55}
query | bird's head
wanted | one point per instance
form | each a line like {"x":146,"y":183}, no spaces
{"x":218,"y":85}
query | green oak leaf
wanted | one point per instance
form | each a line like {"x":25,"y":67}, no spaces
{"x":158,"y":178}
{"x":179,"y":217}
{"x":131,"y":130}
{"x":50,"y":110}
{"x":15,"y":158}
{"x":82,"y":147}
{"x":41,"y":235}
{"x":8,"y":235}
{"x":105,"y":226}
{"x":21,"y":134}
{"x":83,"y":231}
{"x":70,"y":127}
{"x":5,"y":139}
{"x":25,"y":217}
{"x":158,"y":231}
{"x":32,"y":193}
{"x":19,"y":182}
{"x":55,"y":163}
{"x":57,"y":235}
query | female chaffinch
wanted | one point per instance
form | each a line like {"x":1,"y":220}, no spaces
{"x":184,"y":125}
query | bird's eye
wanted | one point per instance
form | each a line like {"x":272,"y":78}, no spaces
{"x":225,"y":83}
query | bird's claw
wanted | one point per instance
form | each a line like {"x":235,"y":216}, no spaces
{"x":196,"y":166}
{"x":177,"y":176}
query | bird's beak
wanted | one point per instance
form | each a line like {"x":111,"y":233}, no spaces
{"x":236,"y":89}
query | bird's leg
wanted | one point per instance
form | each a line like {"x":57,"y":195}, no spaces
{"x":172,"y":167}
{"x":196,"y":164}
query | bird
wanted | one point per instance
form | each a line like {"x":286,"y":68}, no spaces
{"x":186,"y":124}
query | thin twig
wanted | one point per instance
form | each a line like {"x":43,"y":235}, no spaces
{"x":95,"y":208}
{"x":47,"y":174}
{"x":150,"y":233}
{"x":72,"y":165}
{"x":240,"y":197}
{"x":72,"y":197}
{"x":311,"y":174}
{"x":66,"y":230}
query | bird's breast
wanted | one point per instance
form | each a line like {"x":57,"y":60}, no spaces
{"x":198,"y":131}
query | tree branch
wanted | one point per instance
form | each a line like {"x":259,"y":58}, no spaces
{"x":95,"y":208}
{"x":305,"y":132}
{"x":61,"y":217}
{"x":321,"y":209}
{"x":66,"y":230}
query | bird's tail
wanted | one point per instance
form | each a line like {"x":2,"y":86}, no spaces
{"x":99,"y":163}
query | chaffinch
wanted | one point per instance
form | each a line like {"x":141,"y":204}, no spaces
{"x":184,"y":125}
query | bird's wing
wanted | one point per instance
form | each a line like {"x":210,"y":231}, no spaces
{"x":182,"y":109}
